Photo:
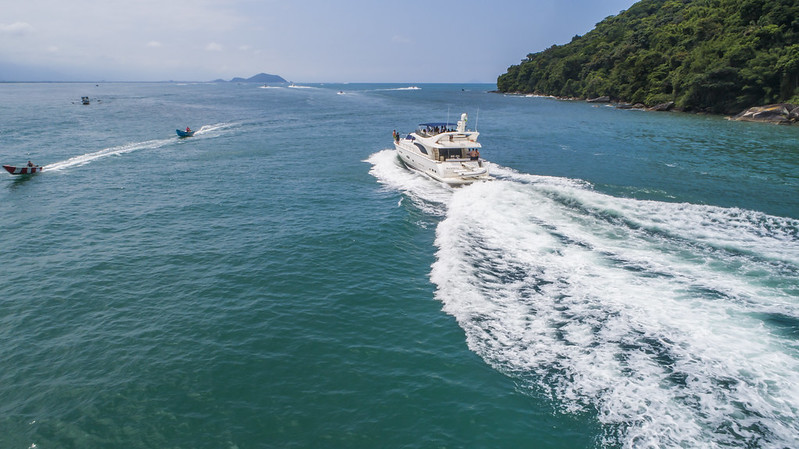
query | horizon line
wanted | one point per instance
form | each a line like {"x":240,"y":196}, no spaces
{"x":220,"y":81}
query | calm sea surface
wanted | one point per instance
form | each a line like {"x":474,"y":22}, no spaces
{"x":280,"y":280}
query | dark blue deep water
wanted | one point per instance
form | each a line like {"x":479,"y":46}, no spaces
{"x":280,"y":280}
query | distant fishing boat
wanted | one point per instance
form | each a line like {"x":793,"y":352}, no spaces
{"x":187,"y":133}
{"x":26,"y":170}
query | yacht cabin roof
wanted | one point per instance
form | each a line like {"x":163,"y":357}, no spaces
{"x":438,"y":124}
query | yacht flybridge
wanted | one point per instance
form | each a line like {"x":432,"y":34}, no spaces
{"x":446,"y":153}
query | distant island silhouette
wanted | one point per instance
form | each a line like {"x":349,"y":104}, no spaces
{"x":259,"y":78}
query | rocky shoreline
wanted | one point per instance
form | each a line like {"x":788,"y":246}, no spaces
{"x":779,"y":114}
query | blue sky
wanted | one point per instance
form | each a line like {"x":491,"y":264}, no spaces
{"x":303,"y":41}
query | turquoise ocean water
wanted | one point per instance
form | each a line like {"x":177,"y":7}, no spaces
{"x":630,"y":280}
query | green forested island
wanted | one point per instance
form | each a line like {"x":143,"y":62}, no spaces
{"x":719,"y":56}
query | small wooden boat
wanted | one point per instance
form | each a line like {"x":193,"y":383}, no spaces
{"x":184,"y":133}
{"x":26,"y":170}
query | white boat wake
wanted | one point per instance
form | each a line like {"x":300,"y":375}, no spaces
{"x":83,"y":159}
{"x":401,"y":88}
{"x":673,"y":324}
{"x":207,"y":129}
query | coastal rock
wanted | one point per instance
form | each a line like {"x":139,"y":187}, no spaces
{"x":630,"y":106}
{"x":780,"y":113}
{"x":604,"y":99}
{"x":663,"y":106}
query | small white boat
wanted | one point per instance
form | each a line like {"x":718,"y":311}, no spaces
{"x":446,"y":152}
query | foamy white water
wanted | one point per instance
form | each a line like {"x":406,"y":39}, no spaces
{"x":83,"y":159}
{"x":429,"y":196}
{"x":403,"y":88}
{"x":670,"y":322}
{"x":214,"y":129}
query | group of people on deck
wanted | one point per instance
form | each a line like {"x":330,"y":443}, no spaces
{"x":433,"y":130}
{"x":439,"y":130}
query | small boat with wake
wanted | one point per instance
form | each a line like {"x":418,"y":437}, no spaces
{"x":24,"y":170}
{"x":446,"y":152}
{"x":187,"y":133}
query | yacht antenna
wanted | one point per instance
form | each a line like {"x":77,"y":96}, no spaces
{"x":476,"y":119}
{"x":447,"y":116}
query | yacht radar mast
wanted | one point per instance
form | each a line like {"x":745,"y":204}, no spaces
{"x":462,"y":123}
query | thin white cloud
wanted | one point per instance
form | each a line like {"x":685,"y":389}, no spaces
{"x":154,"y":44}
{"x":213,"y":46}
{"x":397,"y":39}
{"x":16,"y":28}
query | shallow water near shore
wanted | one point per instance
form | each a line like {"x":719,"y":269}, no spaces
{"x":629,"y":279}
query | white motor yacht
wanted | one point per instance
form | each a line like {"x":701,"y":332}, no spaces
{"x":444,"y":152}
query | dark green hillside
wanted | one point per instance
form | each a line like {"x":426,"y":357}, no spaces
{"x":705,"y":55}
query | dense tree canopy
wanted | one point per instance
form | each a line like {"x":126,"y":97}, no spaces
{"x":705,"y":55}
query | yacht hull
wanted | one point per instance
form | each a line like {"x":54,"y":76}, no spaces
{"x":454,"y":172}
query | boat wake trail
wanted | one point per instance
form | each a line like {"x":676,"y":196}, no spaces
{"x":391,"y":172}
{"x":208,"y":129}
{"x":83,"y":159}
{"x":403,"y":88}
{"x":674,"y":324}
